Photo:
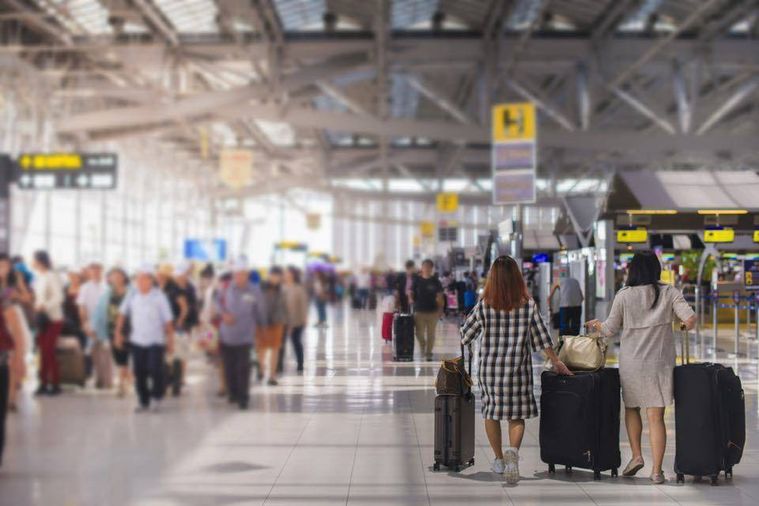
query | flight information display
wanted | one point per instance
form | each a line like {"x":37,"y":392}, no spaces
{"x":72,"y":171}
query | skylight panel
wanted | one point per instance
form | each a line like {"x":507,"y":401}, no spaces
{"x":190,"y":16}
{"x":413,"y":14}
{"x":279,"y":134}
{"x":301,"y":15}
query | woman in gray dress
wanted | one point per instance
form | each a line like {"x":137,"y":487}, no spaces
{"x":644,"y":311}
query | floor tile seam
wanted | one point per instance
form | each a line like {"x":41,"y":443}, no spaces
{"x":419,"y":447}
{"x":355,"y":455}
{"x":289,"y":455}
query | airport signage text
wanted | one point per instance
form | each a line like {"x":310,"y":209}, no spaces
{"x":514,"y":153}
{"x":67,"y":171}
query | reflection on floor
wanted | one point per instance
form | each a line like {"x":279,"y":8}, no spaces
{"x":355,"y":429}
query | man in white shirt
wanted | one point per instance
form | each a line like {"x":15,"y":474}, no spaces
{"x":151,"y":337}
{"x":87,"y":301}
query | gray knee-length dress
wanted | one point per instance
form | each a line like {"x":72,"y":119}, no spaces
{"x":647,"y":344}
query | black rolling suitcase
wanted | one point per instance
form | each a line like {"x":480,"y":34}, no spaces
{"x":579,"y":421}
{"x":710,"y":420}
{"x":403,"y":337}
{"x":454,"y":428}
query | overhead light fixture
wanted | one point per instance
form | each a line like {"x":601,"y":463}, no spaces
{"x":722,"y":211}
{"x":651,"y":211}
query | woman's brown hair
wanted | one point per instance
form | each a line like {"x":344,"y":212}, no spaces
{"x":505,"y":288}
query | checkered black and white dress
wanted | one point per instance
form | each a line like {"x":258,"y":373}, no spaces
{"x":505,"y":373}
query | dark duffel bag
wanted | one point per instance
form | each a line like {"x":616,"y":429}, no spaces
{"x":579,"y":421}
{"x":710,"y":421}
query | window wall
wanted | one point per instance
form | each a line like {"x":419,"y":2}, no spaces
{"x":145,"y":219}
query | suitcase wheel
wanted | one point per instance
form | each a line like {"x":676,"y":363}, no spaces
{"x":715,"y":480}
{"x":568,"y":469}
{"x":436,"y":467}
{"x":551,"y":469}
{"x":614,"y":473}
{"x":680,"y":478}
{"x":596,"y":475}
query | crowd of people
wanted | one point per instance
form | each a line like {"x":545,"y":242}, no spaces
{"x":92,"y":326}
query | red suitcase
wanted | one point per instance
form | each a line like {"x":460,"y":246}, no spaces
{"x":387,"y":326}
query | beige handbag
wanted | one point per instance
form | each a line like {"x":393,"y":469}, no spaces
{"x":583,"y":352}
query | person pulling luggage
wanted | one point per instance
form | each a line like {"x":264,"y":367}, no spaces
{"x":644,"y":311}
{"x":508,"y":324}
{"x":427,"y":301}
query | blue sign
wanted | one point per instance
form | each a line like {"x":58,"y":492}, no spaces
{"x":205,"y":250}
{"x":540,"y":258}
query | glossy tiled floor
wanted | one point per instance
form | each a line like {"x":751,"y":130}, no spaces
{"x":355,"y":429}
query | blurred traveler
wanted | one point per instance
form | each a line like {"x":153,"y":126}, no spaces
{"x":644,"y":311}
{"x":72,"y":317}
{"x":404,"y":286}
{"x":321,"y":296}
{"x":13,"y":293}
{"x":19,"y":264}
{"x":427,"y":299}
{"x":510,"y":328}
{"x":11,"y":341}
{"x":570,"y":304}
{"x":240,"y":304}
{"x":105,"y":319}
{"x":48,"y":307}
{"x":152,"y":336}
{"x":184,"y":303}
{"x":87,"y":301}
{"x":269,"y":339}
{"x":296,"y":298}
{"x":363,"y":285}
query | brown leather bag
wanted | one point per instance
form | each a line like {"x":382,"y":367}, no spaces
{"x":453,"y":377}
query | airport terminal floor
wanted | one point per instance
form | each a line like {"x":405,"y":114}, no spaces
{"x":356,"y":428}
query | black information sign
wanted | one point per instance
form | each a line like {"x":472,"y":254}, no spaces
{"x":72,"y":171}
{"x":448,"y":234}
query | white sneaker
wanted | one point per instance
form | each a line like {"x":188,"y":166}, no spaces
{"x":498,"y":466}
{"x":511,"y":456}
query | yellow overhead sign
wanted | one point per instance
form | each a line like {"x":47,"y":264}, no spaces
{"x":236,"y":167}
{"x":447,"y":202}
{"x":756,"y":235}
{"x":724,"y":235}
{"x":427,"y":229}
{"x":632,"y":236}
{"x":513,"y":122}
{"x":52,"y":161}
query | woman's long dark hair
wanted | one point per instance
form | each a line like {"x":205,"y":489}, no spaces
{"x":505,"y":288}
{"x":645,"y":269}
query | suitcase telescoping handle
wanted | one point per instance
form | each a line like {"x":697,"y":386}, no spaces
{"x":469,"y":346}
{"x":685,"y":355}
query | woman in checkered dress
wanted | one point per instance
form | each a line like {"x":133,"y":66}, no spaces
{"x":510,"y":327}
